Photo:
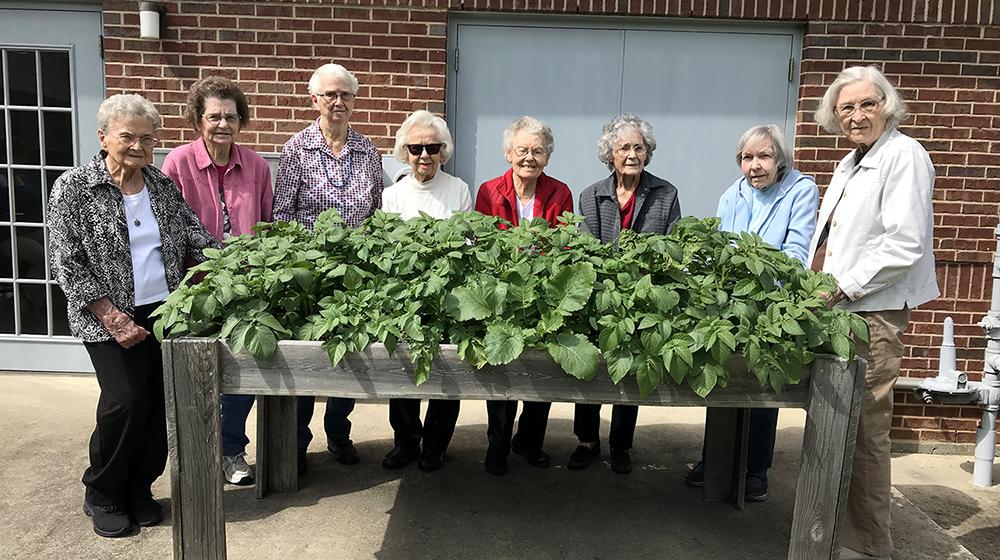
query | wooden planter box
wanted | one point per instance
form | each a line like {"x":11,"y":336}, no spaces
{"x":197,"y":370}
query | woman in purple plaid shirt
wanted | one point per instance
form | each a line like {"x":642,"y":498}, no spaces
{"x":329,"y":165}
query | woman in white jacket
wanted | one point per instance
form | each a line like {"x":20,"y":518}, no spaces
{"x":424,"y":142}
{"x":874,"y":235}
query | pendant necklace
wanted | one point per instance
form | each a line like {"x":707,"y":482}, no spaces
{"x":347,"y":176}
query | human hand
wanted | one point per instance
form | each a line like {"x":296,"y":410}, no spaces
{"x":124,"y":330}
{"x":834,"y":298}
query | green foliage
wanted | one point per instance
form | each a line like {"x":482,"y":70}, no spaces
{"x":674,"y":307}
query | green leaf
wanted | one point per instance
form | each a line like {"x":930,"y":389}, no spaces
{"x":842,"y":346}
{"x":503,"y":343}
{"x":570,"y":289}
{"x":704,"y":381}
{"x":859,"y":327}
{"x":619,"y":364}
{"x":467,"y":304}
{"x":575,"y":354}
{"x":791,"y":326}
{"x":336,"y":350}
{"x":261,"y":343}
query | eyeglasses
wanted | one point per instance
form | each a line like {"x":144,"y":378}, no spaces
{"x":216,"y":118}
{"x":145,"y":141}
{"x":867,"y":107}
{"x":624,"y":150}
{"x":522,"y":151}
{"x":332,"y":96}
{"x":417,"y":149}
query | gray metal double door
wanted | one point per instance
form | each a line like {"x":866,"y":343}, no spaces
{"x":699,"y":86}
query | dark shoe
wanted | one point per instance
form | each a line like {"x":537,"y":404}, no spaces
{"x":621,"y":463}
{"x":535,"y":457}
{"x":582,"y":456}
{"x":695,"y":477}
{"x":430,"y":461}
{"x":109,"y":521}
{"x":496,"y":464}
{"x":344,"y":451}
{"x":400,"y":456}
{"x":756,"y":487}
{"x":145,"y":511}
{"x":301,"y":459}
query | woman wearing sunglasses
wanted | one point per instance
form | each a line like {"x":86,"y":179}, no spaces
{"x":424,"y":142}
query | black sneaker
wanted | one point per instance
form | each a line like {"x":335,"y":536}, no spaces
{"x":109,"y":521}
{"x":756,"y":487}
{"x":534,"y":457}
{"x":430,"y":461}
{"x":621,"y":463}
{"x":695,"y":477}
{"x":400,"y":456}
{"x":145,"y":511}
{"x":582,"y":456}
{"x":344,"y":451}
{"x":495,"y":463}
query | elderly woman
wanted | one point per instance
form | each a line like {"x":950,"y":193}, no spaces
{"x":629,"y":198}
{"x":777,"y":203}
{"x":329,"y":165}
{"x":424,"y":142}
{"x":120,"y":234}
{"x":524,"y":192}
{"x":874,"y":236}
{"x":229,"y":187}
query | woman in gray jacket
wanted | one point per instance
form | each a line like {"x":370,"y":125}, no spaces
{"x":630,"y":198}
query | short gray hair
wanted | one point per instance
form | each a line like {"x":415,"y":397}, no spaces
{"x":423,"y":119}
{"x":127,"y":106}
{"x":893,"y":106}
{"x":772,"y":132}
{"x":335,"y":71}
{"x":611,"y":132}
{"x":532,"y":126}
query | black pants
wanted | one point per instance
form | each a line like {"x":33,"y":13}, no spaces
{"x":128,"y":449}
{"x":437,"y":428}
{"x":760,"y":446}
{"x":587,"y":424}
{"x":530,"y":428}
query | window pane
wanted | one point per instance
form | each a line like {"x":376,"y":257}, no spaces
{"x":50,"y":179}
{"x":58,"y":138}
{"x":24,"y":137}
{"x":60,"y":324}
{"x":33,"y":312}
{"x":55,"y":79}
{"x":27,"y":196}
{"x":22,"y":78}
{"x":4,"y":197}
{"x":6,"y":261}
{"x":3,"y":132}
{"x":2,"y":98}
{"x":6,"y":308}
{"x":30,"y":252}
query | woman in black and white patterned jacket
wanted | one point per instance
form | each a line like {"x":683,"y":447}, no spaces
{"x":120,"y":235}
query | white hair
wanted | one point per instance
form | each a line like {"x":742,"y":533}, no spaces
{"x":423,"y":119}
{"x":613,"y":130}
{"x":127,"y":106}
{"x":333,"y":70}
{"x":893,"y":106}
{"x":532,"y":126}
{"x":772,"y":132}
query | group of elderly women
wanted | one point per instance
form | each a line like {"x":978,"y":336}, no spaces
{"x":123,"y":233}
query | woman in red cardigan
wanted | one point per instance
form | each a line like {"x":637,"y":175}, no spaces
{"x":523,"y":192}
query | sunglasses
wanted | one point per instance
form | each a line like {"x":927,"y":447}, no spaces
{"x":417,"y":149}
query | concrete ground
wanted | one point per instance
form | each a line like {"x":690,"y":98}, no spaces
{"x":365,"y":511}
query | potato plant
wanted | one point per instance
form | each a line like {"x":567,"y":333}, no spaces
{"x":651,"y":306}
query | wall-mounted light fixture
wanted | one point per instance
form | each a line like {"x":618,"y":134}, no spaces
{"x":150,"y":16}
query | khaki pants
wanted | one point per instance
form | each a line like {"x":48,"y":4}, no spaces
{"x":867,"y":528}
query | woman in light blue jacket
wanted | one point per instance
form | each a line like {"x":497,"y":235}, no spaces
{"x":779,"y":204}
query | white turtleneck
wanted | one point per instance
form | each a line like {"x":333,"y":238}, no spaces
{"x":439,"y":197}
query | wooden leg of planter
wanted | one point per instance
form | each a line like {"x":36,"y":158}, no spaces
{"x":277,"y":467}
{"x":191,"y":391}
{"x":827,"y":458}
{"x":726,"y":435}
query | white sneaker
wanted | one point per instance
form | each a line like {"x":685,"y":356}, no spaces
{"x":851,"y":554}
{"x":236,"y":470}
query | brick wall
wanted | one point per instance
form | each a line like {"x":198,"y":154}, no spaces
{"x":943,"y":54}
